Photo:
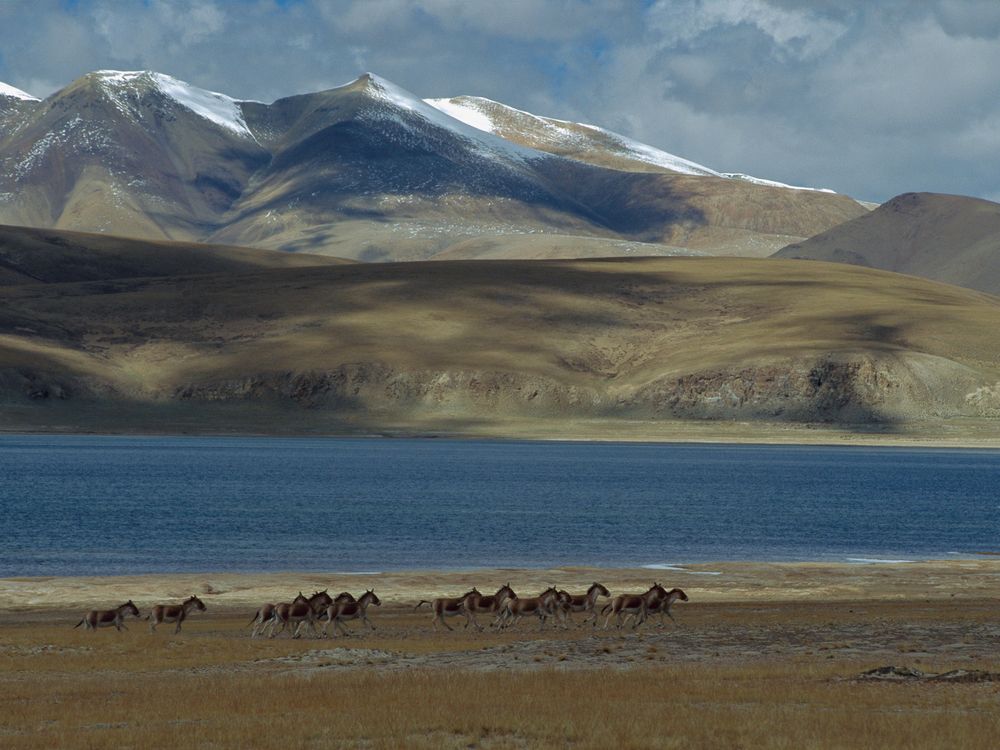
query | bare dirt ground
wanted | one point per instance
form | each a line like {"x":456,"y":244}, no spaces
{"x":762,"y":656}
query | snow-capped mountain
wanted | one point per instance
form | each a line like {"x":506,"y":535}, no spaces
{"x":587,"y":143}
{"x":366,"y":170}
{"x":8,"y":91}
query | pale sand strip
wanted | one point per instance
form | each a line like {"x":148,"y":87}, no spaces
{"x":945,"y":579}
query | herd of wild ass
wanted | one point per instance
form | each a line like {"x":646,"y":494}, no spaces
{"x":505,"y":607}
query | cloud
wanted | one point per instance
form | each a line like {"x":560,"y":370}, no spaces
{"x":871,"y":99}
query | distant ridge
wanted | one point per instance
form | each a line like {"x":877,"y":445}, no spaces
{"x":950,"y":238}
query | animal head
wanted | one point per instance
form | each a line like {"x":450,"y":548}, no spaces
{"x":600,"y":589}
{"x":131,"y":608}
{"x":198,"y":603}
{"x":319,"y":600}
{"x":372,"y":599}
{"x":550,"y":591}
{"x":679,"y":593}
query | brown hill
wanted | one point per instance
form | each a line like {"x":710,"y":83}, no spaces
{"x":557,"y":348}
{"x":948,"y":238}
{"x":30,"y":256}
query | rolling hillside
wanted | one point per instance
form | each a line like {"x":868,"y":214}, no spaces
{"x":950,"y":238}
{"x":548,"y":348}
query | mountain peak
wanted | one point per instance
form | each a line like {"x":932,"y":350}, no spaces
{"x":16,"y":93}
{"x":218,"y":108}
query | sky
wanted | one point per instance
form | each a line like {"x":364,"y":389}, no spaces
{"x":869,"y":98}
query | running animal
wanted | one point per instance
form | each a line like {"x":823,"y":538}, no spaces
{"x":338,"y":613}
{"x":100,"y":618}
{"x":173,"y":613}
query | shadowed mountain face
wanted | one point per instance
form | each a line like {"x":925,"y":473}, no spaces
{"x":497,"y":347}
{"x":367,"y":171}
{"x":948,"y":238}
{"x":50,"y":256}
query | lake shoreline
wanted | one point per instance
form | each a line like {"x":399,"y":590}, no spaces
{"x":983,"y":435}
{"x":709,"y":582}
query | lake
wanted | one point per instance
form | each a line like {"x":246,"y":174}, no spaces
{"x":88,"y":505}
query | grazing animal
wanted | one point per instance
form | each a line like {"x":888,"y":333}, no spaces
{"x":449,"y":607}
{"x":487,"y":604}
{"x":300,"y":610}
{"x":633,"y":605}
{"x":99,"y":618}
{"x":569,"y":603}
{"x":662,"y":606}
{"x":173,"y":613}
{"x":541,"y":606}
{"x":338,"y":613}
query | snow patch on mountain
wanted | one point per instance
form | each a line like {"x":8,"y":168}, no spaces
{"x":476,"y":111}
{"x":653,"y":156}
{"x":484,"y":142}
{"x":76,"y":135}
{"x":218,"y":108}
{"x":468,"y":115}
{"x":15,"y":93}
{"x":489,"y":116}
{"x":770,"y":183}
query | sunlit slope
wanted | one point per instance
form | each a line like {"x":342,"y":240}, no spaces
{"x":452,"y":344}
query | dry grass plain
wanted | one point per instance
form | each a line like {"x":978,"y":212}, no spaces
{"x":762,"y":656}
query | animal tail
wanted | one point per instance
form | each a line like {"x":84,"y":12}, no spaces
{"x":422,"y":601}
{"x":79,"y":623}
{"x":255,"y":616}
{"x":605,"y":608}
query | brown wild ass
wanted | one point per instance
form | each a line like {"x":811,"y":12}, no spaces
{"x":449,"y":607}
{"x":569,"y":603}
{"x":300,"y":610}
{"x":173,"y":613}
{"x":489,"y":605}
{"x":338,"y":613}
{"x":261,"y":619}
{"x":99,"y":618}
{"x":541,"y":606}
{"x":662,"y":606}
{"x":633,"y":605}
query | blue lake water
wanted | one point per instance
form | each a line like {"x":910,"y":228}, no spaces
{"x":82,"y":505}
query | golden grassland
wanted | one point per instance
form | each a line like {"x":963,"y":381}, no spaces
{"x":772,"y":666}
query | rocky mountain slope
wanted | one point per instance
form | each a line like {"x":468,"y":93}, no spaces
{"x":499,"y":347}
{"x":950,"y":238}
{"x":368,"y":171}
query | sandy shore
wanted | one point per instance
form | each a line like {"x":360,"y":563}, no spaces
{"x":712,"y":582}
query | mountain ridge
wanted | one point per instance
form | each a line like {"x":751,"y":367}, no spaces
{"x":366,"y":170}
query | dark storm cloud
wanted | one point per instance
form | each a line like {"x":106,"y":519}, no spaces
{"x":871,"y":99}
